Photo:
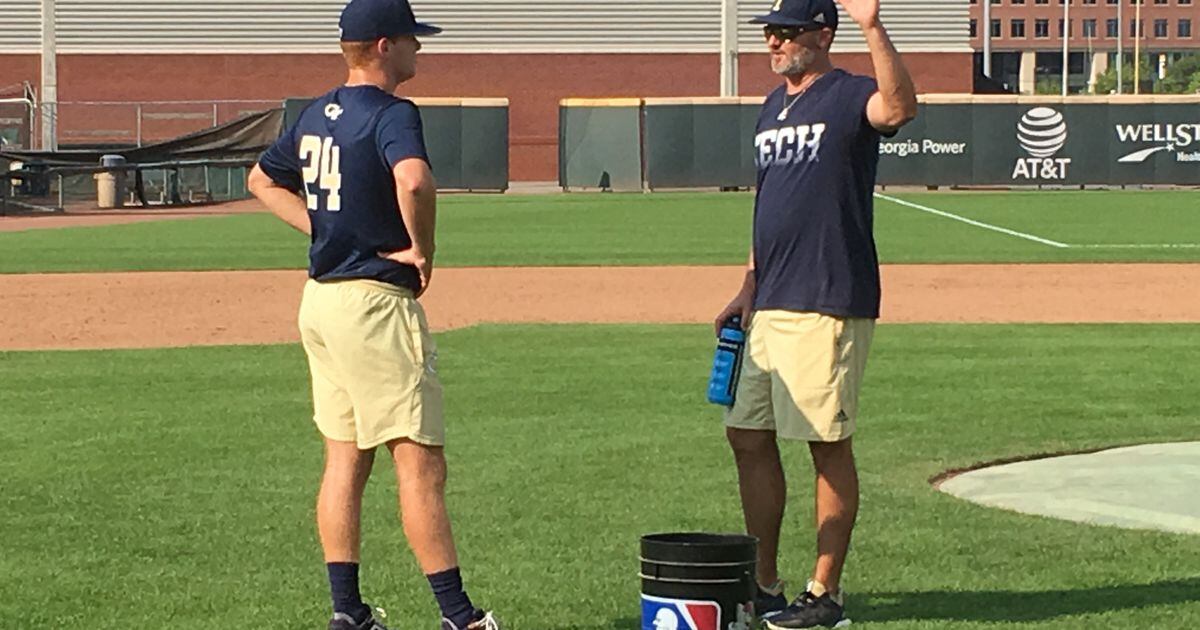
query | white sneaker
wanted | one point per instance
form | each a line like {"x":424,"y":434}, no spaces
{"x":486,"y":622}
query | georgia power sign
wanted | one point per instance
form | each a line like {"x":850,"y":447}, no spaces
{"x":1180,"y":140}
{"x":1042,"y":133}
{"x":922,"y":146}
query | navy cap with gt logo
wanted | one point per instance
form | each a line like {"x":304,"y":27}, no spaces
{"x":369,"y":20}
{"x":805,"y":13}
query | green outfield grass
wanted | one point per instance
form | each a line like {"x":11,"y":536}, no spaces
{"x":664,"y":228}
{"x":1094,"y":226}
{"x":173,"y":488}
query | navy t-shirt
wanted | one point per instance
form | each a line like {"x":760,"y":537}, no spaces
{"x":814,"y":249}
{"x":339,"y":156}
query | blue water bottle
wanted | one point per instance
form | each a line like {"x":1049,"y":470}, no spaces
{"x":727,"y":363}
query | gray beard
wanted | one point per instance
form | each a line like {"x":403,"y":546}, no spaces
{"x":796,"y":64}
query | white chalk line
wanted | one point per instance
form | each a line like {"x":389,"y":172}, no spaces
{"x":1032,"y":237}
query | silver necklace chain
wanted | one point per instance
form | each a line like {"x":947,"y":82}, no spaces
{"x":783,"y":114}
{"x":787,"y":107}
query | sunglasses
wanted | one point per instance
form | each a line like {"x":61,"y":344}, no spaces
{"x":787,"y":33}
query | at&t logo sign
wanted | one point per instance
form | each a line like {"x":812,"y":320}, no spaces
{"x":1042,"y":132}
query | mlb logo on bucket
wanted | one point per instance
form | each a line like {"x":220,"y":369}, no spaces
{"x":679,"y":614}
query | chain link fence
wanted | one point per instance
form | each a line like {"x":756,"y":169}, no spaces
{"x":137,"y":123}
{"x":52,"y":189}
{"x":28,"y":184}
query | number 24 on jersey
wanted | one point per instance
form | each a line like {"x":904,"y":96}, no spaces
{"x":322,"y":166}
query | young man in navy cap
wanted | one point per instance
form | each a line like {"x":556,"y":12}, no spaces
{"x":354,"y":175}
{"x":811,"y":293}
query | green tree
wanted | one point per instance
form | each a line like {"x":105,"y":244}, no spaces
{"x":1046,"y":85}
{"x":1106,"y":83}
{"x":1183,"y":76}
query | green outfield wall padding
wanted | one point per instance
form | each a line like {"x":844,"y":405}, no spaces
{"x":467,"y":144}
{"x":600,"y":147}
{"x":1046,"y":144}
{"x":699,"y":145}
{"x":691,"y":143}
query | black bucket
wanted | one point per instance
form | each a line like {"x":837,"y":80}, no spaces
{"x":693,"y":581}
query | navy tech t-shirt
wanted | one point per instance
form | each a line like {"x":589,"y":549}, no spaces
{"x":814,"y":249}
{"x":340,"y":155}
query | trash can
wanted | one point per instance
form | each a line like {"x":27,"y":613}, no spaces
{"x":110,"y":185}
{"x":698,"y":581}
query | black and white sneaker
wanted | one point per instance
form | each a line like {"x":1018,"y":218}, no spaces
{"x":483,"y":621}
{"x":769,"y":602}
{"x":342,"y":621}
{"x":811,"y":611}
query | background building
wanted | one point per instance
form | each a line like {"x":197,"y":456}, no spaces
{"x":1027,"y":38}
{"x":533,"y":52}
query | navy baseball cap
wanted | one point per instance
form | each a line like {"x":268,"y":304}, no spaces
{"x":811,"y":13}
{"x":369,"y":20}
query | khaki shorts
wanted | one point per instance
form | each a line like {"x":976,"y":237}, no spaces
{"x":373,"y":363}
{"x":801,"y":375}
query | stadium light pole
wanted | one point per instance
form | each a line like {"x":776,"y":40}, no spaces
{"x":987,"y":38}
{"x":1137,"y":48}
{"x":1066,"y":35}
{"x":729,"y":48}
{"x":1120,"y":47}
{"x":49,"y":77}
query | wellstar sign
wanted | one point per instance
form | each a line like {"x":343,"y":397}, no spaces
{"x":1166,"y":137}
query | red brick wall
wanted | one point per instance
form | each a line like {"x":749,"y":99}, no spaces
{"x":932,"y":72}
{"x":534,"y":84}
{"x":17,"y":68}
{"x":1101,"y":12}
